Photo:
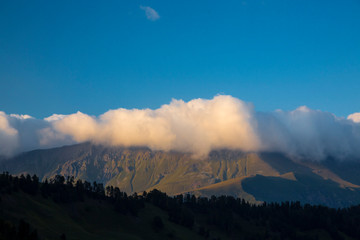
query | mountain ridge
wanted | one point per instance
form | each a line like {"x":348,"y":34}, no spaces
{"x":138,"y":169}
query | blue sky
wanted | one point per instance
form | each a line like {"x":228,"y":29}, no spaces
{"x":92,"y":56}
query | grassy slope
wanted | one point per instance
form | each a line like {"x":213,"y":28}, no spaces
{"x":307,"y":189}
{"x":230,"y":187}
{"x":92,"y":220}
{"x":216,"y":169}
{"x":87,"y":220}
{"x":233,"y":187}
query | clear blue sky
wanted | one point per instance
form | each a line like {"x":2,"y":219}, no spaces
{"x":92,"y":56}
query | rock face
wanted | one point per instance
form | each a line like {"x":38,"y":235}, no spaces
{"x":252,"y":176}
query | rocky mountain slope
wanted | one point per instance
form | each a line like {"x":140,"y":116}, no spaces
{"x":252,"y":176}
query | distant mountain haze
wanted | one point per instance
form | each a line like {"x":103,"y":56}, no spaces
{"x":256,"y":177}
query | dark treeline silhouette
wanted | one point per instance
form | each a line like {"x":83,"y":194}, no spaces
{"x":227,"y":214}
{"x":22,"y":232}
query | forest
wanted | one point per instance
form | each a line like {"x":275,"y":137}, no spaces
{"x":218,"y":217}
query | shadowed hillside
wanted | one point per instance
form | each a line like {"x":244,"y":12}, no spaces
{"x":64,"y":209}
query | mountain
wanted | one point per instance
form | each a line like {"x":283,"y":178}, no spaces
{"x":255,"y":177}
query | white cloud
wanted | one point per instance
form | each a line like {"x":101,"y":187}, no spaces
{"x":355,"y":117}
{"x":8,"y":136}
{"x":150,"y":13}
{"x":54,"y":117}
{"x":197,"y":126}
{"x":306,"y":133}
{"x":21,"y":116}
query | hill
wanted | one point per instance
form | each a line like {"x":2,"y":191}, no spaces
{"x":64,"y":209}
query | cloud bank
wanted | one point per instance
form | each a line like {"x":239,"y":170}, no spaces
{"x":197,"y":126}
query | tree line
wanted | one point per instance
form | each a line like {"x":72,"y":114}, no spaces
{"x":232,"y":216}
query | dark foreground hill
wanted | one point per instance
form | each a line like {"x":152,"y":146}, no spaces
{"x":255,"y":177}
{"x":64,"y":209}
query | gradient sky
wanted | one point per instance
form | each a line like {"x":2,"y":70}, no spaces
{"x":92,"y":56}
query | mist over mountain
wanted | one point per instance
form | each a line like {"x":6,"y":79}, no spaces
{"x":197,"y":127}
